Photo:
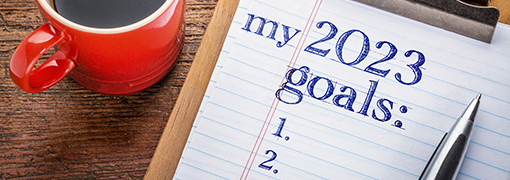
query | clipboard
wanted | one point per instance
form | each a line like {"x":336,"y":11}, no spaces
{"x":453,"y":15}
{"x":173,"y":139}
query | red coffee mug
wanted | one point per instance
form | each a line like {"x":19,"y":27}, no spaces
{"x":112,"y":61}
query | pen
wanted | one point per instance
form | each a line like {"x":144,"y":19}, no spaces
{"x":447,"y":158}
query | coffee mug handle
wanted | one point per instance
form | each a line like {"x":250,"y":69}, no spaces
{"x":30,"y":50}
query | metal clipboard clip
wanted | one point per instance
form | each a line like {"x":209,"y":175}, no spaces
{"x":478,"y":22}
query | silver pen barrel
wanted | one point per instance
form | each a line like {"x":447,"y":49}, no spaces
{"x":446,"y":161}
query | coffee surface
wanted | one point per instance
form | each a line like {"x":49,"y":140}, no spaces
{"x":106,"y":13}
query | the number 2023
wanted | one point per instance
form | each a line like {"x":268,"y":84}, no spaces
{"x":415,"y":67}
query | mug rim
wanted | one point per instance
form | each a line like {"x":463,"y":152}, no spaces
{"x":45,"y":4}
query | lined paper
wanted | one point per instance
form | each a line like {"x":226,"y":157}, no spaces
{"x":278,"y":107}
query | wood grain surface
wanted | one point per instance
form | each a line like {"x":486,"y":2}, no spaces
{"x":69,"y":132}
{"x":504,"y":10}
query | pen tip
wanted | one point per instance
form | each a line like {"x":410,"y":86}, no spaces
{"x":478,"y":96}
{"x":471,"y":110}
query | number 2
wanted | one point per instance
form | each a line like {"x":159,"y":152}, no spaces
{"x":263,"y":164}
{"x":391,"y":55}
{"x":331,"y":35}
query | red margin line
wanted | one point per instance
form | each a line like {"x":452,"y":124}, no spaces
{"x":274,"y":106}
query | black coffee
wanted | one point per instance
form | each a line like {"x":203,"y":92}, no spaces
{"x":106,"y":13}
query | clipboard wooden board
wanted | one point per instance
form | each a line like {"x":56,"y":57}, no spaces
{"x":173,"y":139}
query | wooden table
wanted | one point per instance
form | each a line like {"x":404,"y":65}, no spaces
{"x":70,"y":132}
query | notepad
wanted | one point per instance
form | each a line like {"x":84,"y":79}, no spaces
{"x":331,"y":89}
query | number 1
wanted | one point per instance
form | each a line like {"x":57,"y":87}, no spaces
{"x":278,"y":132}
